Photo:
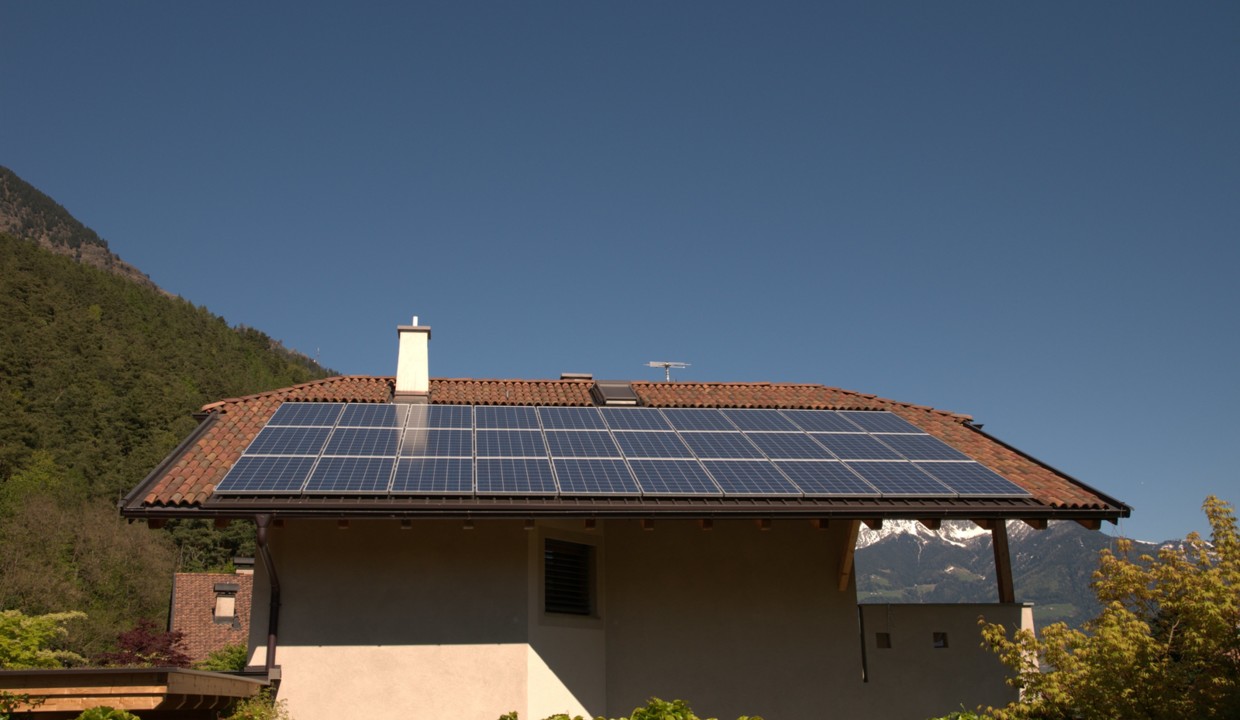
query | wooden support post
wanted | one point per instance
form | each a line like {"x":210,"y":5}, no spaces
{"x":1003,"y":561}
{"x":846,"y":557}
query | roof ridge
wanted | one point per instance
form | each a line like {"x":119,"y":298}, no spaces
{"x":286,"y":390}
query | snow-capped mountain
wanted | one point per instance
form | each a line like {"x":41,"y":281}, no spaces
{"x":904,"y":561}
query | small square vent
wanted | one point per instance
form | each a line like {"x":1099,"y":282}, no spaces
{"x":613,"y":392}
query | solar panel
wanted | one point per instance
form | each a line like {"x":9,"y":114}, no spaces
{"x":441,"y":416}
{"x":899,"y":478}
{"x":373,"y":415}
{"x":820,"y":421}
{"x":760,"y":420}
{"x":697,"y":419}
{"x":749,"y":477}
{"x":581,"y":443}
{"x":634,"y":419}
{"x":881,"y":421}
{"x":289,"y":441}
{"x":594,"y":477}
{"x":418,"y":476}
{"x":856,"y":447}
{"x":306,"y":413}
{"x":362,"y":441}
{"x":789,"y":446}
{"x":430,"y":442}
{"x":673,"y":477}
{"x":510,"y":443}
{"x":515,"y":476}
{"x":351,"y":475}
{"x":970,"y":478}
{"x":571,"y":418}
{"x":826,"y":478}
{"x":266,"y":476}
{"x":638,"y":444}
{"x":505,"y":418}
{"x":923,"y":447}
{"x":720,"y":445}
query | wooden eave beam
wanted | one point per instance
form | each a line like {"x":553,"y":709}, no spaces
{"x":1003,"y":561}
{"x":1090,"y":523}
{"x":932,"y":523}
{"x":1036,"y":523}
{"x":846,"y":557}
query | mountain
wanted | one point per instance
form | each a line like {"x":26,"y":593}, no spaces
{"x":27,"y":213}
{"x":1052,"y":568}
{"x":100,"y":373}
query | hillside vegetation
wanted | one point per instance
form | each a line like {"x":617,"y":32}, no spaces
{"x":99,"y":377}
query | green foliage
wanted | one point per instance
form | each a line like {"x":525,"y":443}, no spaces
{"x":106,"y":713}
{"x":260,"y":707}
{"x":9,"y":702}
{"x":656,"y":709}
{"x":60,"y":550}
{"x":1165,"y":645}
{"x":230,"y":658}
{"x":145,"y":645}
{"x":99,"y":377}
{"x":31,"y":641}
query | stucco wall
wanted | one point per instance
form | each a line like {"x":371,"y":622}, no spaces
{"x":735,"y":620}
{"x":439,"y":621}
{"x":419,"y":623}
{"x":914,"y":679}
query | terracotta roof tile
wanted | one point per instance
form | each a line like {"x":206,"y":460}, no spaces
{"x":189,"y":479}
{"x":193,"y":612}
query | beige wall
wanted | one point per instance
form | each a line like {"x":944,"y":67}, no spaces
{"x":427,"y":622}
{"x":914,"y":679}
{"x":439,"y":621}
{"x":735,"y":620}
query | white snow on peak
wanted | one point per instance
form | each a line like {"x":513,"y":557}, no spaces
{"x":955,"y":532}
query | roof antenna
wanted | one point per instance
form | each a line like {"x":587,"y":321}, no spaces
{"x":667,"y":366}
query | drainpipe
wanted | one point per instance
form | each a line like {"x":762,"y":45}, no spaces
{"x":273,"y":616}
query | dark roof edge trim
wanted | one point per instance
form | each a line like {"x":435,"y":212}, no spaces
{"x":1124,"y":509}
{"x":140,"y":491}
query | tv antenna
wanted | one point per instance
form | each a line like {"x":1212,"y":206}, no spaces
{"x":667,"y":366}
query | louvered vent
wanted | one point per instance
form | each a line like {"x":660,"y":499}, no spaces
{"x":566,"y":578}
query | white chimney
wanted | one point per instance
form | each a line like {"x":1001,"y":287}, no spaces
{"x":412,"y":366}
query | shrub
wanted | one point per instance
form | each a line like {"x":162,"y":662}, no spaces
{"x":106,"y":713}
{"x":230,"y":658}
{"x":656,"y":709}
{"x":260,"y":707}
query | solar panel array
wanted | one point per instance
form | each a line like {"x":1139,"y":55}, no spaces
{"x":366,"y":449}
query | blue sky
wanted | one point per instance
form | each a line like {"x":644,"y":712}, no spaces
{"x":1025,"y":212}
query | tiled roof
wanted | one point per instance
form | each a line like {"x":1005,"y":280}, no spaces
{"x":187,"y":478}
{"x":193,"y":612}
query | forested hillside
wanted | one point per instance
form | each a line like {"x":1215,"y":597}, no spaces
{"x":99,"y":376}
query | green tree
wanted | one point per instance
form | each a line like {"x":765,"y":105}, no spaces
{"x":1166,"y":645}
{"x":32,"y":641}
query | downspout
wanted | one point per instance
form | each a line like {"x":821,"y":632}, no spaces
{"x":273,"y":616}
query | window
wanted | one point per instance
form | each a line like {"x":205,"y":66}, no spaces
{"x":226,"y":603}
{"x":567,"y":577}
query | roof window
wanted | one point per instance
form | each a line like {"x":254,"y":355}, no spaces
{"x":613,"y":392}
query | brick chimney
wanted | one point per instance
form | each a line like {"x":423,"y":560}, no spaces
{"x":413,"y":383}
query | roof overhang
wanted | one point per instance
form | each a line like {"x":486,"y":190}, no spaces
{"x":153,"y":692}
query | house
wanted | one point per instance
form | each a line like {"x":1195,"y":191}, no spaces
{"x":462,"y":548}
{"x":212,"y":610}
